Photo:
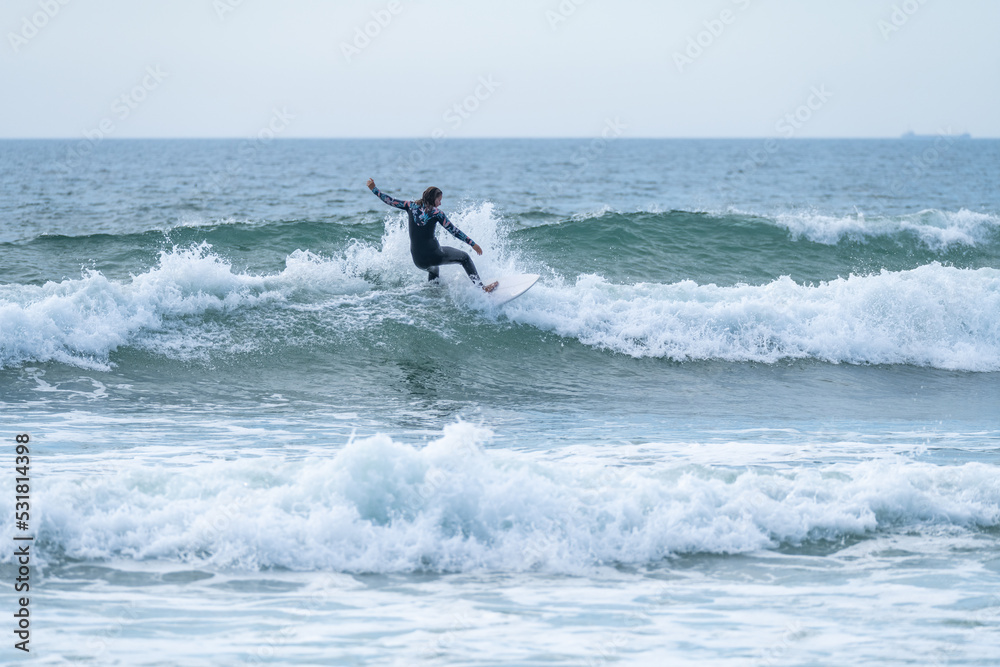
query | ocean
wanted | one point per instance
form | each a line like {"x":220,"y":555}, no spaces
{"x":750,"y":414}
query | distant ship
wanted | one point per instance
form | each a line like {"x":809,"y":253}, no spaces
{"x":912,"y":135}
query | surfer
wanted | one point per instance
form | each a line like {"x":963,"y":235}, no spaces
{"x":427,"y":253}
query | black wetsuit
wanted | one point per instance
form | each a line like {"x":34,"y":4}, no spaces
{"x":425,"y":250}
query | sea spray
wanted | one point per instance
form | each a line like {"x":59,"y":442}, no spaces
{"x":931,"y":316}
{"x":378,"y":505}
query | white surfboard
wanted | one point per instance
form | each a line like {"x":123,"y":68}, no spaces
{"x":511,"y":287}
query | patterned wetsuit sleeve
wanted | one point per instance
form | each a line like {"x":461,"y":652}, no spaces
{"x":389,"y":200}
{"x":453,"y":230}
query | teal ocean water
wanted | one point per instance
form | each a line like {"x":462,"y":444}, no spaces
{"x":749,"y":415}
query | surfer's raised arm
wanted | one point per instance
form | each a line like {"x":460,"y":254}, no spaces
{"x":424,"y":215}
{"x":386,"y":198}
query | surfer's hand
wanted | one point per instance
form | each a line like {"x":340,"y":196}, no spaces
{"x":370,"y":184}
{"x":479,"y":251}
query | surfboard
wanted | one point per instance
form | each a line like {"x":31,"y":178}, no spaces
{"x":511,"y":287}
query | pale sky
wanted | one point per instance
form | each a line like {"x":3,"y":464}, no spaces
{"x":486,"y":68}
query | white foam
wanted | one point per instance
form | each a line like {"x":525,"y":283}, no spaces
{"x":933,"y":315}
{"x":600,"y":212}
{"x":938,"y":230}
{"x":81,"y":321}
{"x":383,"y":506}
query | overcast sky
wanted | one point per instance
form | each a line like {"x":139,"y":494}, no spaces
{"x":492,"y":68}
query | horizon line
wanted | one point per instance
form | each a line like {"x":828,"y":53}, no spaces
{"x":904,"y":136}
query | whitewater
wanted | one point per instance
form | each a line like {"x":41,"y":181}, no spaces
{"x":744,"y":417}
{"x":932,"y":315}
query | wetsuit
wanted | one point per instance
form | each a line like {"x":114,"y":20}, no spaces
{"x":427,"y":253}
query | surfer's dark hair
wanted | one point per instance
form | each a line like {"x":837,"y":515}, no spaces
{"x":430,"y":196}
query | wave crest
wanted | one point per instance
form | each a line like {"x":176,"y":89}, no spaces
{"x":385,"y":506}
{"x":930,"y":316}
{"x":937,"y":230}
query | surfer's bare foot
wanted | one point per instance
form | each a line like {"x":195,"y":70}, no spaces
{"x":492,"y":286}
